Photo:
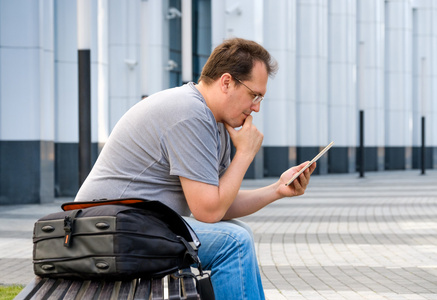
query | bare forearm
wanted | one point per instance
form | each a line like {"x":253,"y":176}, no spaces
{"x":249,"y":201}
{"x":209,"y":203}
{"x":230,"y":182}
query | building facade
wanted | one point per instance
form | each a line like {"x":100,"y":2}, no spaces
{"x":336,"y":58}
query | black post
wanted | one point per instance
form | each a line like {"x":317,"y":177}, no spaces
{"x":423,"y":146}
{"x":84,"y":58}
{"x":361,"y":143}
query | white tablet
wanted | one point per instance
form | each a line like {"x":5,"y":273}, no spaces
{"x":310,"y":163}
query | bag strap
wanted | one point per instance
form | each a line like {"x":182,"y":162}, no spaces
{"x":192,"y":233}
{"x":203,"y":283}
{"x":192,"y":251}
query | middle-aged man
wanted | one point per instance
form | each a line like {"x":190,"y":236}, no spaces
{"x":174,"y":147}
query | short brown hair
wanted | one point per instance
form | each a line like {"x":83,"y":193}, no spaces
{"x":236,"y":56}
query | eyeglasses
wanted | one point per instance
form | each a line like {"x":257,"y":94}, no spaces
{"x":257,"y":99}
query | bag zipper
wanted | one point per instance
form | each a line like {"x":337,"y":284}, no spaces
{"x":102,"y":255}
{"x":107,"y":233}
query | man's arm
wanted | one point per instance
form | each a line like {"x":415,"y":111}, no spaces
{"x":249,"y":201}
{"x":209,"y":203}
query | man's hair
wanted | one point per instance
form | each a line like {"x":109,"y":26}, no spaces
{"x":236,"y":56}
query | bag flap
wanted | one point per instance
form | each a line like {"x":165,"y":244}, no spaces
{"x":171,"y":217}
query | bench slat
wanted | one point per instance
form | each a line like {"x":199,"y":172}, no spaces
{"x":73,"y":290}
{"x":83,"y":288}
{"x":143,"y":289}
{"x":127,"y":290}
{"x":189,"y":288}
{"x":157,"y":289}
{"x":107,"y":289}
{"x":30,"y":289}
{"x":91,"y":290}
{"x":174,"y":288}
{"x":61,"y":289}
{"x":44,"y":289}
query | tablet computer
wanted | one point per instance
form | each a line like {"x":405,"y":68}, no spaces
{"x":310,"y":163}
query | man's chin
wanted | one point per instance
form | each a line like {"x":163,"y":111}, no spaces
{"x":235,"y":124}
{"x":239,"y":123}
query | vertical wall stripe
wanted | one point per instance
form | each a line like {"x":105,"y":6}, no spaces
{"x":84,"y":64}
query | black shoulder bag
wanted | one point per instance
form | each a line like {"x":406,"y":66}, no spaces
{"x":114,"y":239}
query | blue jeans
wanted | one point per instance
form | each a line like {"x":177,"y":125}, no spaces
{"x":228,"y":251}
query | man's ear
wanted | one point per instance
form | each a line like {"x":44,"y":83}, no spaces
{"x":225,"y":80}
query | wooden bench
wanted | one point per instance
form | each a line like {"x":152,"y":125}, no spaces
{"x":176,"y":288}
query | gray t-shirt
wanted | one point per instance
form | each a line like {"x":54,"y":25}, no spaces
{"x":169,"y":134}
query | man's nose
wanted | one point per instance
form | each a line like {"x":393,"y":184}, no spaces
{"x":256,"y":107}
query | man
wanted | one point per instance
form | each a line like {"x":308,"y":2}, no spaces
{"x":174,"y":147}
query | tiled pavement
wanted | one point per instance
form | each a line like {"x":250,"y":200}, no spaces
{"x":352,"y":238}
{"x":346,"y":238}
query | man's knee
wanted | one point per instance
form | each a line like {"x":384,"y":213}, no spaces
{"x":226,"y":234}
{"x":243,"y":229}
{"x":241,"y":237}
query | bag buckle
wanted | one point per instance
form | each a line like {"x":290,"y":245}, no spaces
{"x":68,"y":227}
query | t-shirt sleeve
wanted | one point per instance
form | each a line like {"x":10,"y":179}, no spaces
{"x":191,"y":149}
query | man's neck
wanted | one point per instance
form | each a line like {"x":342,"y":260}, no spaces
{"x":207,"y":92}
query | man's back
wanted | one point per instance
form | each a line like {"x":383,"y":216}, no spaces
{"x":169,"y":134}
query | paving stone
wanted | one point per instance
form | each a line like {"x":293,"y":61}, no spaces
{"x":346,"y":238}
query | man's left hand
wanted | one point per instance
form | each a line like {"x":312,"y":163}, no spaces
{"x":299,"y":185}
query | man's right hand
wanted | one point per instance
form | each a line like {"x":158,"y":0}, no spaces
{"x":248,"y":139}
